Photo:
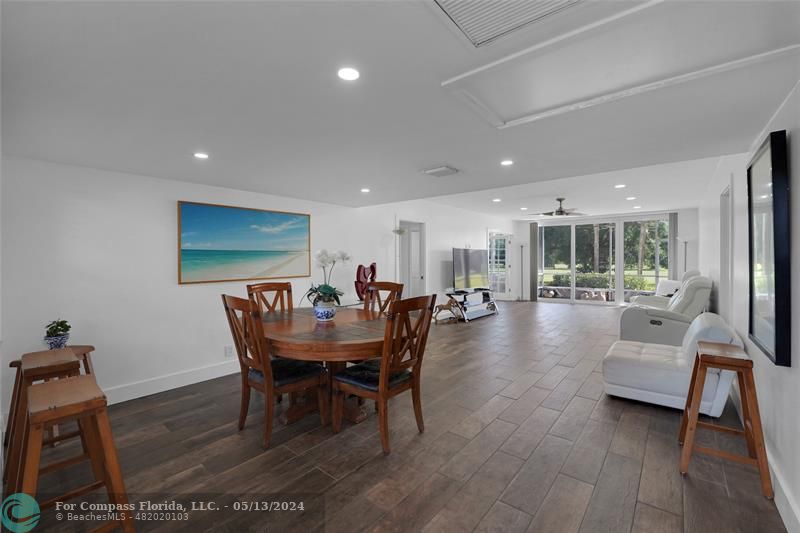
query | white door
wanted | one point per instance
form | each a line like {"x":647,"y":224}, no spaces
{"x":412,"y":258}
{"x":499,"y":265}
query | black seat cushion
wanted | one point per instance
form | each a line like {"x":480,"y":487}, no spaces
{"x":286,"y":371}
{"x":367,"y":374}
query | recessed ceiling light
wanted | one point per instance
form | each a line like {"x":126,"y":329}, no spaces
{"x":619,"y":186}
{"x":364,"y":190}
{"x":523,"y":208}
{"x":506,"y":162}
{"x":348,"y":74}
{"x":764,"y":196}
{"x":201,"y":155}
{"x":630,"y":198}
{"x":496,"y":200}
{"x":637,"y":207}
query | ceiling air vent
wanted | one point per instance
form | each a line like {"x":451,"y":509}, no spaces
{"x":483,"y":21}
{"x":440,"y":172}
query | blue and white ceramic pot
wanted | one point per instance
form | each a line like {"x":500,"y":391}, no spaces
{"x":325,"y":311}
{"x":59,"y":341}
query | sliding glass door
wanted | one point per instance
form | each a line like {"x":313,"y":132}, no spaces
{"x":604,"y":261}
{"x":595,"y":272}
{"x":555,"y":262}
{"x":646,"y":251}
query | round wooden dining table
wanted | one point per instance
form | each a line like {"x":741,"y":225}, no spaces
{"x":353,"y":335}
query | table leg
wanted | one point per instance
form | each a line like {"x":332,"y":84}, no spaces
{"x":352,"y":410}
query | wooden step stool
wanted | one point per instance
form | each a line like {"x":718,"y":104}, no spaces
{"x":33,"y":367}
{"x":733,"y":358}
{"x":76,"y":398}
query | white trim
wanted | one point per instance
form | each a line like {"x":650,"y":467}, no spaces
{"x":554,"y":40}
{"x":649,"y":87}
{"x":146,"y":387}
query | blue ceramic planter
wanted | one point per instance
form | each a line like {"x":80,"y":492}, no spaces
{"x":324,"y":311}
{"x":59,"y":341}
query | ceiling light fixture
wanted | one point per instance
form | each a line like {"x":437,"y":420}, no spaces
{"x":364,"y":190}
{"x":523,"y":208}
{"x":637,"y":207}
{"x":496,"y":200}
{"x":619,"y":186}
{"x":506,"y":162}
{"x":348,"y":74}
{"x":629,"y":198}
{"x":200,"y":155}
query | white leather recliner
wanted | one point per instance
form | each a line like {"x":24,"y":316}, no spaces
{"x":665,"y":289}
{"x":660,"y":374}
{"x":666,"y":325}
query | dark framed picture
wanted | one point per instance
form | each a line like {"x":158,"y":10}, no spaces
{"x":770,"y":249}
{"x":226,"y":243}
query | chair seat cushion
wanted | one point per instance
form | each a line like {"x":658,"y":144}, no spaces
{"x":367,"y":374}
{"x":653,"y":367}
{"x":286,"y":371}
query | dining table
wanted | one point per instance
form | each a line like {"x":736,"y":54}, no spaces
{"x":353,"y":335}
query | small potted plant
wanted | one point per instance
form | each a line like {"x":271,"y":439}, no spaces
{"x":57,"y":334}
{"x":325,"y":297}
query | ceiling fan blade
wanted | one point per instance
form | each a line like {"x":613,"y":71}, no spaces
{"x":547,"y":213}
{"x":575,"y":213}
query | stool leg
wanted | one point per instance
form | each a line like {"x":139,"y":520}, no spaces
{"x":758,"y":434}
{"x":689,"y":396}
{"x":691,"y":423}
{"x":114,"y":483}
{"x":12,"y":408}
{"x":92,"y":447}
{"x":31,"y":457}
{"x":747,"y":422}
{"x":18,"y":439}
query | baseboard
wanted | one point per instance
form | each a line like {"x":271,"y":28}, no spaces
{"x":785,"y":501}
{"x":146,"y":387}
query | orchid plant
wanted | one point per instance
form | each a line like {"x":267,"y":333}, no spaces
{"x":325,"y":292}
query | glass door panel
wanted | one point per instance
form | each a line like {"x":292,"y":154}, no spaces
{"x":646,"y":251}
{"x":555,"y":262}
{"x":498,"y":264}
{"x":595,"y":267}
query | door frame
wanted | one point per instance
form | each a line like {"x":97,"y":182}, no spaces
{"x":405,"y":225}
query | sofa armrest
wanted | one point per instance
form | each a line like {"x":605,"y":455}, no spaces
{"x":655,"y":326}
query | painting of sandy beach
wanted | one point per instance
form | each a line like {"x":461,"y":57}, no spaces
{"x":223,"y":243}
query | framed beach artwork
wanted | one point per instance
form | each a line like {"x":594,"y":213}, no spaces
{"x":770,"y":249}
{"x":223,"y":243}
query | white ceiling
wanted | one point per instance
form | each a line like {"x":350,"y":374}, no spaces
{"x":139,"y":86}
{"x":664,"y":187}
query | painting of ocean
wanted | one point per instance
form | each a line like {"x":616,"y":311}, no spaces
{"x":221,"y":243}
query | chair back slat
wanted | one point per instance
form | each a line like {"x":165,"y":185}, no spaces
{"x":407,"y":325}
{"x":375,"y":301}
{"x":271,"y":297}
{"x":244,"y":319}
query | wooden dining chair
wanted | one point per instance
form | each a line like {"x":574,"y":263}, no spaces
{"x":398,"y":369}
{"x":271,"y":376}
{"x":271,"y":296}
{"x":374,"y":300}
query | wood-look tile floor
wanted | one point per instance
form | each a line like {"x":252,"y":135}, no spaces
{"x":519,"y":437}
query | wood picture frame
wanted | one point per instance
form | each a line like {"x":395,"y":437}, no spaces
{"x":769,"y":248}
{"x":222,"y":243}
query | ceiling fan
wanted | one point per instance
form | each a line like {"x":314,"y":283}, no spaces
{"x":561,"y":212}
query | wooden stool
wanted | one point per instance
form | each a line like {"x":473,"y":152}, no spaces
{"x":33,"y":367}
{"x":733,"y":358}
{"x":82,"y":352}
{"x":76,"y":398}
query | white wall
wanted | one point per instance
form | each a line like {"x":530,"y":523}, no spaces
{"x":778,"y":387}
{"x":100,"y":249}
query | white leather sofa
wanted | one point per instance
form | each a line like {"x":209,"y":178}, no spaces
{"x":666,"y":325}
{"x":660,"y":374}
